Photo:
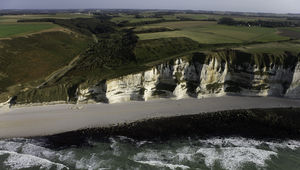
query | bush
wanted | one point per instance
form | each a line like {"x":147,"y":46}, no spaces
{"x":227,"y":21}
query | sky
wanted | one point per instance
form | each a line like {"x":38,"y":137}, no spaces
{"x":273,"y":6}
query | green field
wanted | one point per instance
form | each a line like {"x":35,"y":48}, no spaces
{"x":207,"y":32}
{"x":275,"y":48}
{"x":9,"y":27}
{"x":12,"y":30}
{"x":15,"y":18}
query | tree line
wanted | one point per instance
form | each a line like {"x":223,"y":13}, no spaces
{"x":261,"y":23}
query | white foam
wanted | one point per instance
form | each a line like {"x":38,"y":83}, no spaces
{"x":163,"y":158}
{"x":148,"y":155}
{"x":185,"y":153}
{"x":115,"y":147}
{"x":10,"y":145}
{"x":67,"y":157}
{"x":161,"y":164}
{"x":38,"y":151}
{"x":291,"y":144}
{"x":125,"y":138}
{"x":91,"y":163}
{"x":20,"y":161}
{"x":232,"y":158}
{"x":244,"y":142}
{"x":233,"y":141}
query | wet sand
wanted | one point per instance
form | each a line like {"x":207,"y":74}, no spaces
{"x":54,"y":119}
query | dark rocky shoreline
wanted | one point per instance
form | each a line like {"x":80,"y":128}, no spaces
{"x":275,"y":123}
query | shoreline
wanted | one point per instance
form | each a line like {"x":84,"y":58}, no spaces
{"x":57,"y":119}
{"x":261,"y":124}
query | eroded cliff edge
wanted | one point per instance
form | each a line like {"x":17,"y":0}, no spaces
{"x":203,"y":75}
{"x":198,"y":75}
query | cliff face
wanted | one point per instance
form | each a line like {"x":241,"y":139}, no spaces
{"x":294,"y":89}
{"x":215,"y":74}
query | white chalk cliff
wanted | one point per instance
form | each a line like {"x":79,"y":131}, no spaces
{"x":184,"y":78}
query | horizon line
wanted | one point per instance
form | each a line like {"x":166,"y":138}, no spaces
{"x":225,"y":11}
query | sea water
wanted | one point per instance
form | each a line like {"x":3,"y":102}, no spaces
{"x":123,"y":153}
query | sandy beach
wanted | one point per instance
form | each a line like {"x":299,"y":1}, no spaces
{"x":54,"y":119}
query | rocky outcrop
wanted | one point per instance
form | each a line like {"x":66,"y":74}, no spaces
{"x":7,"y":104}
{"x":204,"y":75}
{"x":294,"y":89}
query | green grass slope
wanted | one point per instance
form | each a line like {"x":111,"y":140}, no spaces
{"x":28,"y":60}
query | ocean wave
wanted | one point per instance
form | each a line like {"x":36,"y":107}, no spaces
{"x":230,"y":153}
{"x":162,"y":164}
{"x":91,"y":163}
{"x":245,"y":142}
{"x":10,"y":145}
{"x":233,"y":158}
{"x":20,"y":161}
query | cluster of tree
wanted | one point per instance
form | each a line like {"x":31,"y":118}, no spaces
{"x":162,"y":14}
{"x":155,"y":15}
{"x":139,"y":16}
{"x":151,"y":30}
{"x":102,"y":16}
{"x":191,"y":19}
{"x":110,"y":52}
{"x":42,"y":11}
{"x":126,"y":23}
{"x":261,"y":23}
{"x":293,"y":18}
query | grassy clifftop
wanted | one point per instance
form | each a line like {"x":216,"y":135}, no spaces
{"x":85,"y":76}
{"x":261,"y":60}
{"x":26,"y":61}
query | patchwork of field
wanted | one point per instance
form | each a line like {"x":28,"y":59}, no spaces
{"x":9,"y":27}
{"x":150,"y":16}
{"x":208,"y":32}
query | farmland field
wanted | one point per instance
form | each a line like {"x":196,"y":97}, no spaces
{"x":211,"y":33}
{"x":9,"y":27}
{"x":275,"y":48}
{"x":15,"y":18}
{"x":11,"y":30}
